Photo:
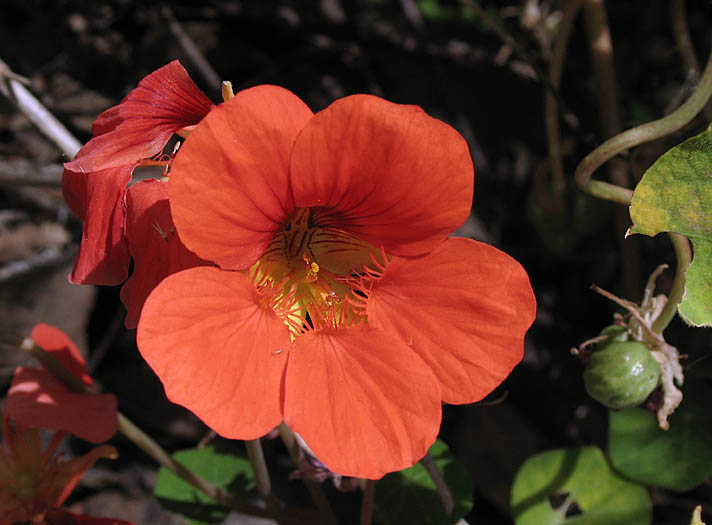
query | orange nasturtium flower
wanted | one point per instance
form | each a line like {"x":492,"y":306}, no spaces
{"x":119,"y":223}
{"x":35,"y":482}
{"x":337,"y":302}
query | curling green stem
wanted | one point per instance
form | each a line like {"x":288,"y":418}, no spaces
{"x":639,"y":135}
{"x":140,"y":438}
{"x":634,"y":137}
{"x":683,"y":255}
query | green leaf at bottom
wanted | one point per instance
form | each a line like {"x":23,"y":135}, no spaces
{"x":576,"y":486}
{"x":410,"y":496}
{"x":228,"y":472}
{"x":679,"y":458}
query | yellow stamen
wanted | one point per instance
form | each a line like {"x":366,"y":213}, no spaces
{"x":227,"y":92}
{"x":310,"y":272}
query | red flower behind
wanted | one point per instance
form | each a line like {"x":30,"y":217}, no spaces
{"x":35,"y":482}
{"x":338,"y":303}
{"x":94,"y":183}
{"x":37,"y":399}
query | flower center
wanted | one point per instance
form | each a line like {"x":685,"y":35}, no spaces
{"x":24,"y":486}
{"x":316,"y":275}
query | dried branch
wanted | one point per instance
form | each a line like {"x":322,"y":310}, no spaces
{"x":33,"y":109}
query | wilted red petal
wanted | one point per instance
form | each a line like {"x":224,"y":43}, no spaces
{"x":64,"y":517}
{"x":219,"y":350}
{"x":70,"y":472}
{"x":229,"y":186}
{"x":464,"y":308}
{"x":98,"y":200}
{"x":394,"y":176}
{"x":51,"y":339}
{"x":36,"y":399}
{"x":153,"y":243}
{"x":164,"y":102}
{"x":363,"y":401}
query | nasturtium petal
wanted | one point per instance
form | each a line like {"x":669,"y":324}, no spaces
{"x":679,"y":458}
{"x":153,"y":243}
{"x":410,"y":496}
{"x":225,"y":470}
{"x":70,"y":472}
{"x":164,"y":102}
{"x":229,"y":187}
{"x":675,"y":195}
{"x":576,"y":486}
{"x":37,"y":399}
{"x":98,"y":200}
{"x":51,"y":339}
{"x":464,"y":308}
{"x":218,"y":348}
{"x":393,"y":175}
{"x":362,"y":400}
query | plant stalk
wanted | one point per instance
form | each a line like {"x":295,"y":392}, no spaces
{"x":639,"y":135}
{"x":683,"y":254}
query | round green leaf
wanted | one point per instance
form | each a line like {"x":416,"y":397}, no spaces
{"x":227,"y":471}
{"x":410,"y":496}
{"x":576,"y":486}
{"x":675,"y":195}
{"x":677,"y":459}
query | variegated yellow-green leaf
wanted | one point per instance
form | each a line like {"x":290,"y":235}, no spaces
{"x":675,"y":195}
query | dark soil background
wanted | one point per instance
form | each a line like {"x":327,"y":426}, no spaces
{"x":82,"y":57}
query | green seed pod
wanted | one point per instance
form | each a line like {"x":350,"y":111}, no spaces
{"x":615,"y":333}
{"x":622,"y":374}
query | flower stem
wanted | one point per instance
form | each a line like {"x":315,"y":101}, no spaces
{"x":684,"y":256}
{"x":634,"y":137}
{"x":315,"y":490}
{"x":440,"y":484}
{"x":639,"y":135}
{"x":153,"y":449}
{"x":140,"y":438}
{"x":367,"y":503}
{"x":259,"y":468}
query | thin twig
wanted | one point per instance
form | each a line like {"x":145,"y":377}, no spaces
{"x":315,"y":489}
{"x":551,"y":107}
{"x":36,"y":112}
{"x":191,"y":51}
{"x":440,"y":484}
{"x":601,"y":50}
{"x":639,"y":135}
{"x":262,"y":480}
{"x":108,"y":337}
{"x":498,"y":28}
{"x":367,"y":502}
{"x":683,"y":42}
{"x":48,"y":258}
{"x":24,"y":173}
